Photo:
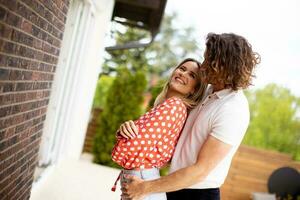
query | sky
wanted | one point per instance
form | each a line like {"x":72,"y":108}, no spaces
{"x":272,"y":27}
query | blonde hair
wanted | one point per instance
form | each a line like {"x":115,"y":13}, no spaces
{"x":190,"y":100}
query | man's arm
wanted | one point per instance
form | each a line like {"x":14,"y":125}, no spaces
{"x":211,"y":153}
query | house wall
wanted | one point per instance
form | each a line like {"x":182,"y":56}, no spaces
{"x":31,"y":33}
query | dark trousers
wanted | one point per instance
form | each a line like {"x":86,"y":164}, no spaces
{"x":195,"y":194}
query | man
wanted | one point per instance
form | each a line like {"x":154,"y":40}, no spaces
{"x":213,"y":130}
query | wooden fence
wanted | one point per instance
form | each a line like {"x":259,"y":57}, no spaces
{"x":250,"y":171}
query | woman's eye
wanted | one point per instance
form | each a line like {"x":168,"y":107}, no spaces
{"x":192,"y":76}
{"x":182,"y":68}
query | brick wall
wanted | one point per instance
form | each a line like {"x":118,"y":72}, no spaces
{"x":31,"y":32}
{"x":91,"y":130}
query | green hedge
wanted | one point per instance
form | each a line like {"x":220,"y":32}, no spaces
{"x":124,"y":102}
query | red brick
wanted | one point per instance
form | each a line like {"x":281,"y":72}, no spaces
{"x":31,"y":33}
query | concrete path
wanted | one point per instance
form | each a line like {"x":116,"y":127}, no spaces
{"x":77,"y":180}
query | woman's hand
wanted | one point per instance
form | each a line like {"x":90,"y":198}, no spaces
{"x":128,"y":130}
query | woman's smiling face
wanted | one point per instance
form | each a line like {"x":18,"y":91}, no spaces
{"x":184,"y":78}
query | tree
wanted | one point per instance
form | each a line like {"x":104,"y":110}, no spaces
{"x":275,"y":122}
{"x":123,"y":102}
{"x":171,"y":45}
{"x":103,"y":85}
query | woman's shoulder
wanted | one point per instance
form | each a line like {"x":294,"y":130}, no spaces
{"x":174,"y":102}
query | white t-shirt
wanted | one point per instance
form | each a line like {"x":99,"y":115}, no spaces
{"x":225,"y":116}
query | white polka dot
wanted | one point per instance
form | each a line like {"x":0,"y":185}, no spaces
{"x":148,"y":124}
{"x":142,"y":142}
{"x":145,"y":148}
{"x":146,"y":136}
{"x":159,"y":143}
{"x":139,"y":148}
{"x":166,"y":140}
{"x":172,"y":111}
{"x":131,"y":158}
{"x":128,"y":143}
{"x":160,"y":117}
{"x":155,"y":124}
{"x":165,"y":112}
{"x":159,"y":136}
{"x":131,"y":148}
{"x":158,"y":130}
{"x":157,"y":113}
{"x":169,"y":125}
{"x":153,"y":136}
{"x":135,"y":143}
{"x":143,"y":130}
{"x":141,"y":154}
{"x":149,"y":142}
{"x":165,"y":130}
{"x":139,"y":136}
{"x":152,"y":119}
{"x":151,"y":129}
{"x":168,"y":117}
{"x":151,"y":155}
{"x":163,"y":123}
{"x":124,"y":149}
{"x":165,"y":146}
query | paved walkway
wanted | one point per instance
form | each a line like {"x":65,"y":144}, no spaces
{"x":77,"y":180}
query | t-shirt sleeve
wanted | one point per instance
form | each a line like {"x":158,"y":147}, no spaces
{"x":230,"y":123}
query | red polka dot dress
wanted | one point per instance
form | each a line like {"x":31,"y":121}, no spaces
{"x":159,"y":130}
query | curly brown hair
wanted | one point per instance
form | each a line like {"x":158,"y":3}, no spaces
{"x":229,"y":61}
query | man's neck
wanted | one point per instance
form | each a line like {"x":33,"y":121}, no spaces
{"x":217,"y":88}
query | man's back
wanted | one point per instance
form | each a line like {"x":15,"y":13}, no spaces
{"x":224,"y":115}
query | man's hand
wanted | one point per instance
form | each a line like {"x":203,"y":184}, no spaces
{"x":128,"y":130}
{"x":133,"y":189}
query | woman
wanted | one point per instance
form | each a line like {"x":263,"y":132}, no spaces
{"x":159,"y":129}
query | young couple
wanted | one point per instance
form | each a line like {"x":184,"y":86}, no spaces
{"x":199,"y":120}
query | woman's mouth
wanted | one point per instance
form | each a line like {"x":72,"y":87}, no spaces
{"x":180,"y":80}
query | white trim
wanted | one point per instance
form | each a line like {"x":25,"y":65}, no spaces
{"x":75,"y":80}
